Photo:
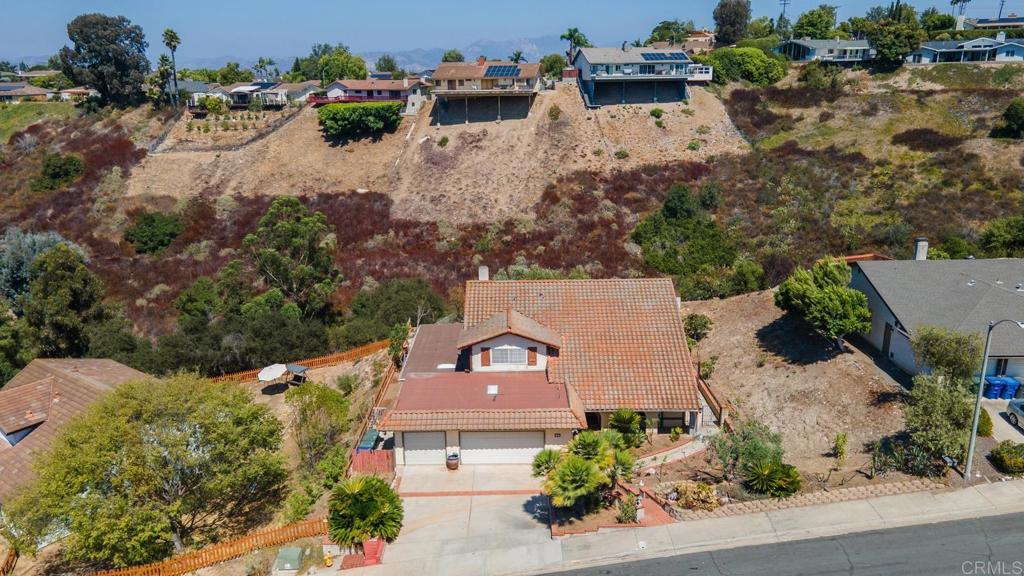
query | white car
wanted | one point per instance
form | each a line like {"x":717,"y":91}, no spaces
{"x":1015,"y":412}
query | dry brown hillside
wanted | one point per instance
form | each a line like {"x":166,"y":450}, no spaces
{"x":488,"y":171}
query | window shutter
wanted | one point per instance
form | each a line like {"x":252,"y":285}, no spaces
{"x":531,"y":355}
{"x":485,"y":356}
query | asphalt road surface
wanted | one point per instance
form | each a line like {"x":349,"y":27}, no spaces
{"x":981,"y":547}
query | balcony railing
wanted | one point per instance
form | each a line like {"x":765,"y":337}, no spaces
{"x":696,"y":72}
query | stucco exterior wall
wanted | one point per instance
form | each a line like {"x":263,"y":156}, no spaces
{"x":508,"y":340}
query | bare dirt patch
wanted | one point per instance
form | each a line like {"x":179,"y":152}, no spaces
{"x":773,"y":368}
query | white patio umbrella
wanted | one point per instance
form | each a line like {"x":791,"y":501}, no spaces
{"x":272,"y":372}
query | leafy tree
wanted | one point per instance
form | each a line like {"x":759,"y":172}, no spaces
{"x":109,"y":54}
{"x":153,"y":467}
{"x":939,"y":416}
{"x":64,"y":298}
{"x":393,"y":303}
{"x":1013,"y":117}
{"x":320,"y":422}
{"x":452,"y":55}
{"x":172,"y":41}
{"x":264,"y":66}
{"x":576,"y":40}
{"x":362,"y":508}
{"x":750,"y":64}
{"x":761,"y":28}
{"x":15,"y":351}
{"x":932,"y":20}
{"x":17,"y":252}
{"x":674,"y":30}
{"x":732,"y":17}
{"x":517,"y":57}
{"x":552,"y":65}
{"x":947,"y":351}
{"x":153,"y":231}
{"x":697,"y":326}
{"x":356,"y":120}
{"x":823,"y":298}
{"x":386,"y":63}
{"x":293,"y":250}
{"x":893,"y":40}
{"x":783,"y":26}
{"x":58,"y":169}
{"x":573,"y":481}
{"x":816,"y":23}
{"x":341,"y":65}
{"x":232,"y":72}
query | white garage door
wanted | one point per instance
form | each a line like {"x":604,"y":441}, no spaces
{"x":424,"y":447}
{"x":500,"y":447}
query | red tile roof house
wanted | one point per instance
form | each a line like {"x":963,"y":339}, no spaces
{"x":535,"y":360}
{"x":39,"y":400}
{"x":411,"y":91}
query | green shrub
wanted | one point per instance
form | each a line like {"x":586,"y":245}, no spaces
{"x":58,"y":170}
{"x":188,"y":126}
{"x":545,"y":461}
{"x":354,"y":120}
{"x":1014,"y":117}
{"x":621,"y":154}
{"x":772,"y":478}
{"x":347,"y":383}
{"x":659,"y":123}
{"x":206,"y":127}
{"x":703,"y":130}
{"x":706,"y":368}
{"x":693,"y":145}
{"x":1008,"y":457}
{"x":697,"y":495}
{"x":984,"y":424}
{"x":675,"y":434}
{"x":153,"y":231}
{"x":554,"y":112}
{"x":750,"y":64}
{"x":816,"y":74}
{"x":443,"y":141}
{"x":333,"y":466}
{"x":657,"y":112}
{"x":627,"y":509}
{"x":597,"y":152}
{"x":300,"y":501}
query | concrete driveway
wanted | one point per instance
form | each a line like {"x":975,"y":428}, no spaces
{"x":1001,"y":427}
{"x":468,"y":480}
{"x":471,"y":535}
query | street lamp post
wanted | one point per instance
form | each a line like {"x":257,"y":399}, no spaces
{"x":981,"y":387}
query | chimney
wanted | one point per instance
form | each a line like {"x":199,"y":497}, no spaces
{"x":481,"y":61}
{"x":483,"y":274}
{"x":405,"y":82}
{"x":1001,"y":36}
{"x":920,"y":248}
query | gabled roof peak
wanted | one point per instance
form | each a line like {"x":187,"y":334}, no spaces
{"x":509,"y":321}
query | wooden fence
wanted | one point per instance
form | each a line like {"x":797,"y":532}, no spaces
{"x":720,"y":410}
{"x":224,"y":551}
{"x":10,"y":561}
{"x":318,"y":362}
{"x":388,"y":380}
{"x":378,"y":462}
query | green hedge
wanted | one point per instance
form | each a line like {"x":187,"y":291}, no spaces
{"x":1008,"y":457}
{"x":354,"y":120}
{"x":750,"y":64}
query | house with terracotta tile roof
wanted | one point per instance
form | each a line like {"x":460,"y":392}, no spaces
{"x":410,"y":91}
{"x":42,"y":398}
{"x":536,"y":360}
{"x":484,"y":90}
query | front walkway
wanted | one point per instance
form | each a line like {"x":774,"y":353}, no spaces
{"x":496,"y":479}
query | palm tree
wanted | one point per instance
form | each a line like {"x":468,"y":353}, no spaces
{"x":638,"y":43}
{"x":164,"y":68}
{"x":573,"y":480}
{"x":576,"y":39}
{"x":172,"y":41}
{"x":263,"y":66}
{"x":629,"y":424}
{"x":517,"y":57}
{"x":361,"y":508}
{"x":962,"y":4}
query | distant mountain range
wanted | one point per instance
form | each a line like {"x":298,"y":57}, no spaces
{"x":412,"y":60}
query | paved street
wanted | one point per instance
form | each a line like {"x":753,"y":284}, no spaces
{"x":993,"y":545}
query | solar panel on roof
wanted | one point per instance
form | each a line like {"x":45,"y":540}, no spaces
{"x":678,"y":56}
{"x":503,"y":71}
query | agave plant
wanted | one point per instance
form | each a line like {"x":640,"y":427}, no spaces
{"x":362,"y":508}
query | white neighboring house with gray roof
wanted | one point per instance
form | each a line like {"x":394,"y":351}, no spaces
{"x":997,"y":49}
{"x":807,"y":50}
{"x":636,"y":75}
{"x":961,"y":295}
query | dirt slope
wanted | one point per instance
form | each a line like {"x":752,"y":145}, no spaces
{"x":489,"y":171}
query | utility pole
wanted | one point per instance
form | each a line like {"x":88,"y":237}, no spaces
{"x":784,"y":4}
{"x":1002,"y":4}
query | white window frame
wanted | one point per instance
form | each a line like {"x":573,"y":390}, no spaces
{"x":508,"y":355}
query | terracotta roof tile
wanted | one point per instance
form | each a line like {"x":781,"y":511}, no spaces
{"x":539,"y":419}
{"x":623,"y":339}
{"x":509,"y":321}
{"x":475,"y":71}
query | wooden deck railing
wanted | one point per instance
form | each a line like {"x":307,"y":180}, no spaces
{"x":224,"y":551}
{"x":720,"y":410}
{"x":317,"y":362}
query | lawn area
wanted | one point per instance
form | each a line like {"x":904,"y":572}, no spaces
{"x":15,"y":117}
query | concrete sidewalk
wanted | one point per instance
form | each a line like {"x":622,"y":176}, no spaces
{"x":718,"y":533}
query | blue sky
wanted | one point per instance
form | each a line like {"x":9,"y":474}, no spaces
{"x":250,"y":28}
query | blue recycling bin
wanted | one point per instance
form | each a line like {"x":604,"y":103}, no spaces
{"x":993,"y":387}
{"x":1010,"y":386}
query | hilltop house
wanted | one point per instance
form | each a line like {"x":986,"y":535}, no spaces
{"x":39,"y":400}
{"x":996,"y":49}
{"x":838,"y":51}
{"x":961,"y":295}
{"x":23,"y":92}
{"x":484,"y":90}
{"x":535,"y":360}
{"x":636,"y":75}
{"x":1011,"y":21}
{"x":411,"y":91}
{"x":697,"y":42}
